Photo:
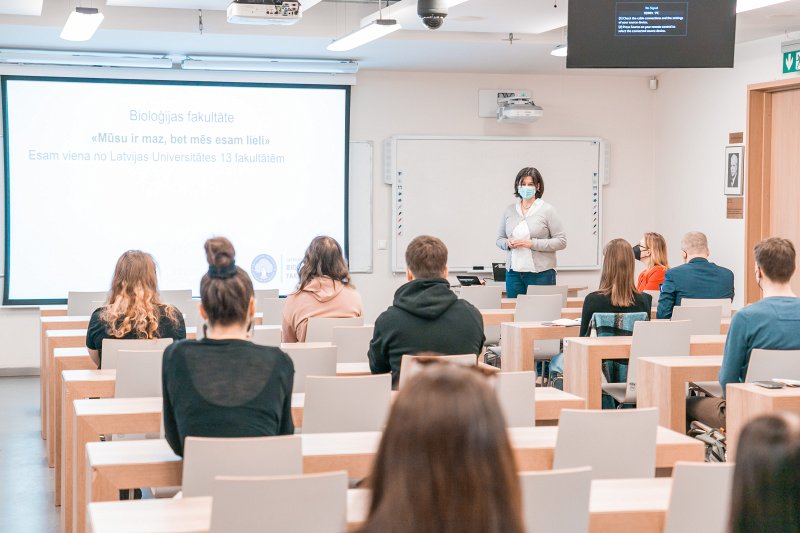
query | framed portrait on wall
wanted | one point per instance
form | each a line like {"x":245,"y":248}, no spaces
{"x":734,"y":170}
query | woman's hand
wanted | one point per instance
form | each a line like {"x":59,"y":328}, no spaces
{"x":520,"y":243}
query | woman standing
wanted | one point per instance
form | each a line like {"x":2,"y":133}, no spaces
{"x":531,"y":233}
{"x":652,"y":251}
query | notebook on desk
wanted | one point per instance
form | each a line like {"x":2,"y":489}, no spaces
{"x":499,"y":271}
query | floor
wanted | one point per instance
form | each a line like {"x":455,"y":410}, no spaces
{"x":26,"y":483}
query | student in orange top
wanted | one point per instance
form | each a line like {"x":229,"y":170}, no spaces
{"x":652,"y":251}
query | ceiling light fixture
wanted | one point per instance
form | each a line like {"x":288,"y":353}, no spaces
{"x":749,"y":5}
{"x":559,"y":51}
{"x":262,"y":64}
{"x":372,"y":31}
{"x":81,"y":24}
{"x":83,"y":59}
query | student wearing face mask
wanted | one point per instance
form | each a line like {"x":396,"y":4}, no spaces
{"x":652,"y":251}
{"x":531,"y":233}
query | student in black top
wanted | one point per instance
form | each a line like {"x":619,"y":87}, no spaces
{"x":224,"y":385}
{"x":134,"y":310}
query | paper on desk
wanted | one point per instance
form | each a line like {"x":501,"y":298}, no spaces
{"x":566,"y":322}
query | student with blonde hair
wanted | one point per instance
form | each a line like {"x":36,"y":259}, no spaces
{"x":652,"y":251}
{"x":134,"y":309}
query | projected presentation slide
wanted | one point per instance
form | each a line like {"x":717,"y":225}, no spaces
{"x":98,"y":167}
{"x":666,"y":19}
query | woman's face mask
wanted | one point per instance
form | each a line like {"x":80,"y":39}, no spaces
{"x":637,"y":252}
{"x":527,"y":191}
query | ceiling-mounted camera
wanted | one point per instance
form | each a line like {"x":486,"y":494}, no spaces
{"x":432,"y":12}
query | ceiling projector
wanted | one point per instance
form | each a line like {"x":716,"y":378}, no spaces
{"x":274,"y":12}
{"x":519,"y":109}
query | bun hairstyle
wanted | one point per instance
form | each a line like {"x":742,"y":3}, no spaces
{"x":226,"y":290}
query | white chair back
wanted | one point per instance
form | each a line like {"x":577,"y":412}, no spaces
{"x":655,"y":294}
{"x":700,"y":498}
{"x":271,"y":310}
{"x":206,"y":458}
{"x":616,"y":443}
{"x":482,"y":296}
{"x":310,"y":361}
{"x":111,"y":348}
{"x":540,"y":308}
{"x":138,"y":374}
{"x":261,"y":294}
{"x":408,"y":369}
{"x":344,"y":404}
{"x":177,"y":298}
{"x":704,"y":320}
{"x":556,"y":501}
{"x":84,"y":303}
{"x":725,"y":303}
{"x":192,"y":316}
{"x":766,"y":365}
{"x":315,"y":503}
{"x":516,"y":393}
{"x":267,"y":335}
{"x":321,"y":329}
{"x":352,"y":343}
{"x":562,"y":290}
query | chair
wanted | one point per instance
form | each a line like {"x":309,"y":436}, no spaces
{"x":655,"y":294}
{"x":321,"y":329}
{"x":650,"y":339}
{"x":84,"y":303}
{"x":191,"y":314}
{"x":343,"y":404}
{"x":138,"y":373}
{"x":615,"y":443}
{"x":408,"y":368}
{"x":700,"y":498}
{"x":206,"y":458}
{"x":705,"y":302}
{"x":562,"y":290}
{"x":176,"y":298}
{"x":516,"y":393}
{"x":111,"y":348}
{"x":704,"y":320}
{"x":766,"y":365}
{"x":260,"y":294}
{"x":556,"y":501}
{"x":315,"y":503}
{"x":310,"y":361}
{"x":271,"y":310}
{"x":352,"y":343}
{"x":267,"y":335}
{"x":540,"y":308}
{"x":481,"y":296}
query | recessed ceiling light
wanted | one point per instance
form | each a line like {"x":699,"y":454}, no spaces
{"x":559,"y":51}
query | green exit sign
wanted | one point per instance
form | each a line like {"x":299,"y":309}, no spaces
{"x":791,"y":61}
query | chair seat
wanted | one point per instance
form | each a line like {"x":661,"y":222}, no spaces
{"x":615,"y":390}
{"x":712,"y":388}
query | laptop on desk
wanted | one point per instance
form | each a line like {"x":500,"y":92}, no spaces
{"x":499,"y":271}
{"x":467,"y":281}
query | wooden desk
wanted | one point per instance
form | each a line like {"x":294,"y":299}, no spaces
{"x":495,"y":317}
{"x":517,"y":339}
{"x":615,"y":505}
{"x":662,"y":383}
{"x":508,"y":303}
{"x":575,"y":302}
{"x":583,"y":357}
{"x":53,"y":310}
{"x":746,"y":401}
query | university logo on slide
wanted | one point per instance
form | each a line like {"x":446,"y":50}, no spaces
{"x":264,"y":268}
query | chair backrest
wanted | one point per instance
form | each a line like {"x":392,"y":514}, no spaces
{"x":561,"y":290}
{"x":138,"y":373}
{"x":315,"y":503}
{"x":321,"y":329}
{"x":700,"y":498}
{"x":482,"y":296}
{"x":408,"y":368}
{"x":705,"y":302}
{"x":84,"y":303}
{"x":766,"y":365}
{"x":343,"y":404}
{"x":704,"y":320}
{"x":655,"y":294}
{"x":516,"y":393}
{"x":260,"y":294}
{"x":271,"y":310}
{"x":310,"y":361}
{"x":656,"y":338}
{"x":618,"y":443}
{"x":556,"y":501}
{"x":177,"y":298}
{"x":267,"y":335}
{"x":352,"y":343}
{"x":111,"y":348}
{"x":191,"y":315}
{"x":206,"y":458}
{"x":540,"y":308}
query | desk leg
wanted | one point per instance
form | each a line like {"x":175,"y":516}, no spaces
{"x":43,"y":383}
{"x":67,"y":435}
{"x":583,"y":375}
{"x":83,"y":434}
{"x":51,"y":408}
{"x":656,"y":388}
{"x":517,"y":347}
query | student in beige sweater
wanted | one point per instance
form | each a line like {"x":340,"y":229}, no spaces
{"x":324,"y":290}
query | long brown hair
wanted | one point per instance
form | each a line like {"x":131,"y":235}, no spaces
{"x":225,"y":290}
{"x":323,"y":258}
{"x":657,"y":246}
{"x":766,"y":484}
{"x":133,"y":304}
{"x":616,"y":281}
{"x":445,"y":464}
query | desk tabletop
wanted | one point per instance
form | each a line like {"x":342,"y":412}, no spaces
{"x":749,"y":388}
{"x":630,"y":495}
{"x":622,"y":341}
{"x":685,"y":361}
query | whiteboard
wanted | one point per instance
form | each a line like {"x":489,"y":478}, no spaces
{"x":456,"y":188}
{"x":359,"y":208}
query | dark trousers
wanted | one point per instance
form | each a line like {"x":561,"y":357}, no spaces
{"x":517,"y":282}
{"x":709,"y":411}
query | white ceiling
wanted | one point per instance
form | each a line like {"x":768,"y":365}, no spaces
{"x":474,"y":37}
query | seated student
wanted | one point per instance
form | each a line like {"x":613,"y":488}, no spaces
{"x":134,"y":310}
{"x":652,"y":251}
{"x":445,"y":464}
{"x":697,"y":278}
{"x":426,"y":315}
{"x":224,"y":385}
{"x":772,"y":323}
{"x":324,"y":290}
{"x":766,"y":479}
